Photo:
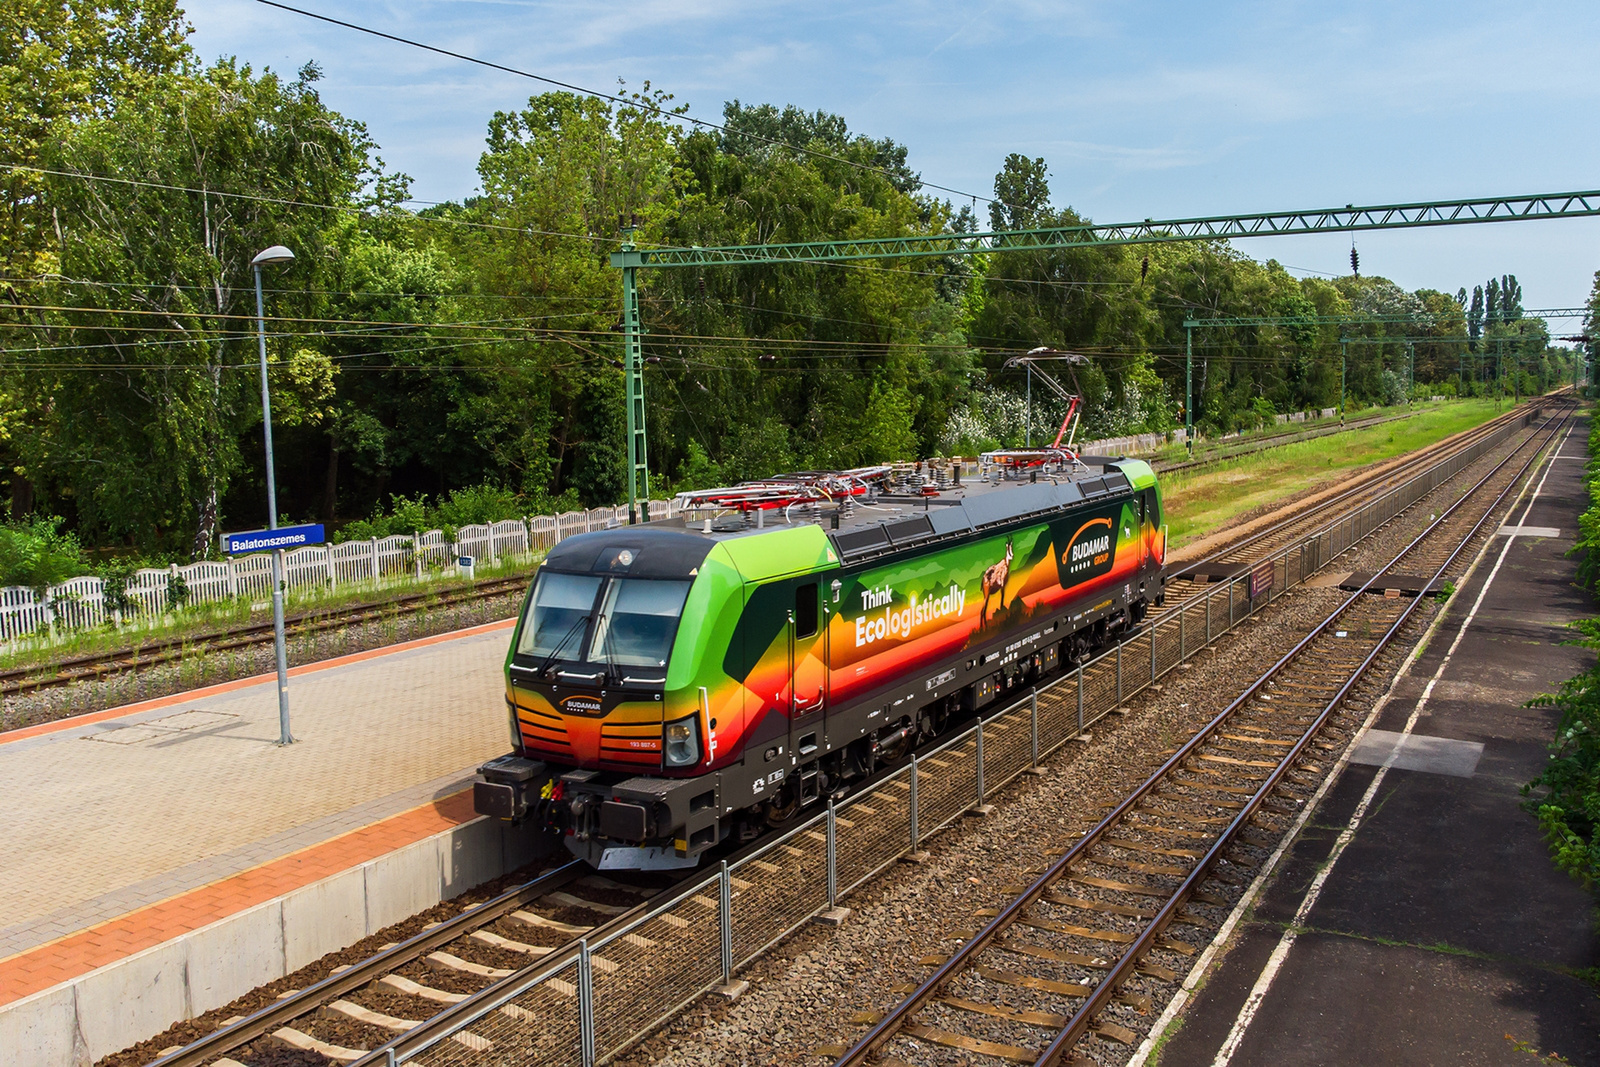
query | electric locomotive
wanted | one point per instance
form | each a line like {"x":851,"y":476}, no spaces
{"x":677,"y":683}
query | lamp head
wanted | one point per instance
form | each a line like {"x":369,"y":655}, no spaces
{"x":275,"y":254}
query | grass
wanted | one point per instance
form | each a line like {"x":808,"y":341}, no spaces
{"x":1199,"y":502}
{"x":195,"y":620}
{"x":1206,"y":448}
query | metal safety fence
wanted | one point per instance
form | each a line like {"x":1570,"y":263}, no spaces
{"x":588,"y":1006}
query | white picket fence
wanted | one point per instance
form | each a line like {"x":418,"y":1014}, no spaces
{"x":1130,"y":446}
{"x":81,"y":602}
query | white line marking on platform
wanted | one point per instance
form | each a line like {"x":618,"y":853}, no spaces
{"x":1269,"y":973}
{"x":1529,"y":531}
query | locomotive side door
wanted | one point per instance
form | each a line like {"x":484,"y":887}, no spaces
{"x":1138,"y":505}
{"x":808,"y":671}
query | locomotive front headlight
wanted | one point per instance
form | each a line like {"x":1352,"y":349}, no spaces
{"x":683,"y":742}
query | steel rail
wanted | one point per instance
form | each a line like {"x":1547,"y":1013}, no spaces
{"x":1100,"y":996}
{"x":892,"y":1022}
{"x":1439,"y":452}
{"x":439,"y":1027}
{"x":228,"y":1038}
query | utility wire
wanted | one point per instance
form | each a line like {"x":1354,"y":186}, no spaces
{"x":346,"y":208}
{"x":162,"y":286}
{"x":642,"y":105}
{"x":474,"y":324}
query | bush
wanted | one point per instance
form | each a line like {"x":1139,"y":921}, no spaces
{"x":405,"y":516}
{"x":472,"y":506}
{"x":36,"y":554}
{"x":479,"y":504}
{"x":1566,"y":796}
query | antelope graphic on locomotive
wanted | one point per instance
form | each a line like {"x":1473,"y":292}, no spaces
{"x":678,"y":683}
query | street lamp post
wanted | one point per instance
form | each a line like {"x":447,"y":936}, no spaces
{"x":275,"y":254}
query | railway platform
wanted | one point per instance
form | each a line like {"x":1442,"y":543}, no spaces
{"x":1417,"y":916}
{"x":163,"y":858}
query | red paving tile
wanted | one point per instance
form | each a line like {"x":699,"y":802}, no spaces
{"x":78,"y":953}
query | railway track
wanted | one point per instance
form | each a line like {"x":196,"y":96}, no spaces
{"x":1086,"y":948}
{"x":1238,"y":556}
{"x":18,"y":681}
{"x":1222,"y":450}
{"x":343,"y":1016}
{"x":407,"y":998}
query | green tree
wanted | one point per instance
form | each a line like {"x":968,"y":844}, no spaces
{"x":1021,"y":194}
{"x":138,"y":436}
{"x":1510,"y":298}
{"x":1475,"y":317}
{"x":63,"y":62}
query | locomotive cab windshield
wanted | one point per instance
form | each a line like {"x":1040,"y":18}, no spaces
{"x":615,"y":626}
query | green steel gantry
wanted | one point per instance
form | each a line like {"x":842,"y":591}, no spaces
{"x":629,"y":259}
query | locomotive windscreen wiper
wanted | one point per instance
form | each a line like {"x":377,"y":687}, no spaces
{"x":554,"y":652}
{"x":603,"y":640}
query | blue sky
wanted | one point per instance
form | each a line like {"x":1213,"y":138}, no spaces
{"x":1141,"y":110}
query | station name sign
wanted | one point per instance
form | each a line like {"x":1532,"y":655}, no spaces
{"x":267,"y":540}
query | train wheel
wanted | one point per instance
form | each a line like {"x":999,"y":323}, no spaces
{"x":782,"y":808}
{"x":1080,"y":648}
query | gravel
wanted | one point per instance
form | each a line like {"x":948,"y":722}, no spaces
{"x":806,"y":995}
{"x":803,"y":995}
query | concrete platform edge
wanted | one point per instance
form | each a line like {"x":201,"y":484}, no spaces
{"x":120,"y":1004}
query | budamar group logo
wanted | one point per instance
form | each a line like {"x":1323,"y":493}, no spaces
{"x":1089,"y":552}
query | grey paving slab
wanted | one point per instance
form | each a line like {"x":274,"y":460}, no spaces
{"x":110,"y":816}
{"x":1444,"y":927}
{"x":1416,"y":752}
